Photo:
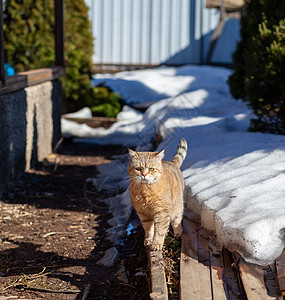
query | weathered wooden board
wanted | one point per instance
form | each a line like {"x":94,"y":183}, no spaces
{"x":208,"y":273}
{"x":158,"y":282}
{"x":93,"y":122}
{"x":253,"y":281}
{"x":280,"y":267}
{"x":207,"y":257}
{"x":218,"y":283}
{"x":195,"y":280}
{"x":28,"y":78}
{"x":229,"y":4}
{"x":271,"y":282}
{"x":234,"y":290}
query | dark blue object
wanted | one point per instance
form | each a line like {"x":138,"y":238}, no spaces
{"x":9,"y":70}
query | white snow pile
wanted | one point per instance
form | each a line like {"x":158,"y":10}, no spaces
{"x":147,"y":86}
{"x":235,"y":179}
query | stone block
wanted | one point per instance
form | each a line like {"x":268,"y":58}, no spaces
{"x":29,"y":127}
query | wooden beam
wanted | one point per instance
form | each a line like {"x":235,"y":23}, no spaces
{"x":209,"y":256}
{"x":229,"y":4}
{"x":195,"y":282}
{"x":59,"y":32}
{"x":252,"y":277}
{"x":2,"y":54}
{"x":158,"y":281}
{"x":280,"y":268}
{"x":28,"y":78}
{"x":234,"y":290}
{"x":93,"y":122}
{"x":219,"y":287}
{"x":217,"y":33}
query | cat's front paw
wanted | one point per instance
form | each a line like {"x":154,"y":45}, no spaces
{"x":156,"y":247}
{"x":147,"y":242}
{"x":177,"y":231}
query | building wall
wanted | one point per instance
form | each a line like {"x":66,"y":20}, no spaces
{"x":158,"y":31}
{"x":29,"y":127}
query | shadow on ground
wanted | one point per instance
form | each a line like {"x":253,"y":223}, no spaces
{"x":52,"y":235}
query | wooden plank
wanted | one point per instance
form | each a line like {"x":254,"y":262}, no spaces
{"x":13,"y":83}
{"x":203,"y":247}
{"x":215,"y":37}
{"x":204,"y":259}
{"x":208,"y":256}
{"x":234,"y":290}
{"x":230,"y":276}
{"x":280,"y":268}
{"x":194,"y":276}
{"x":45,"y":74}
{"x":190,"y":229}
{"x":158,"y":281}
{"x":229,"y":4}
{"x":37,"y":76}
{"x":115,"y":68}
{"x":253,"y":281}
{"x":28,"y":78}
{"x":94,"y":122}
{"x":219,"y":287}
{"x":271,"y":282}
{"x":2,"y":54}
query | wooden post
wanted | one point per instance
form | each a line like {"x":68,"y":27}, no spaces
{"x":2,"y":55}
{"x":59,"y":32}
{"x":217,"y":33}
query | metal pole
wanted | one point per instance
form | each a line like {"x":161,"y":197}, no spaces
{"x":2,"y":55}
{"x":59,"y":32}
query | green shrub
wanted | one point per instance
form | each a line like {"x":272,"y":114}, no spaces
{"x":29,"y":44}
{"x":259,"y":64}
{"x":107,"y":102}
{"x":29,"y":41}
{"x":79,"y":50}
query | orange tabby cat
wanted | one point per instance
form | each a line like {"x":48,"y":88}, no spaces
{"x":157,"y":191}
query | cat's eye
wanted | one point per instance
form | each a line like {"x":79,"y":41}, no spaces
{"x":151,"y":169}
{"x":138,"y":169}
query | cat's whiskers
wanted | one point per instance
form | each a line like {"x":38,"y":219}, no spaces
{"x":134,"y":184}
{"x":154,"y":179}
{"x":126,"y":179}
{"x":134,"y":180}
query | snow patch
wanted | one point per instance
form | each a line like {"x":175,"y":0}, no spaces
{"x":234,"y":178}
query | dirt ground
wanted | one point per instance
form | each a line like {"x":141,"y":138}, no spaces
{"x":52,"y":234}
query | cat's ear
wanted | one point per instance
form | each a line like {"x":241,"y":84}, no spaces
{"x":133,"y":153}
{"x":160,"y":154}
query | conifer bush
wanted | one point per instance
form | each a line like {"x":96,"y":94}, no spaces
{"x":29,"y":44}
{"x":28,"y":34}
{"x":259,"y":64}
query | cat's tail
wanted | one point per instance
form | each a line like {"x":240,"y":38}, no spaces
{"x":180,"y":153}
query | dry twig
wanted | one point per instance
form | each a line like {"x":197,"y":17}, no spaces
{"x":86,"y":291}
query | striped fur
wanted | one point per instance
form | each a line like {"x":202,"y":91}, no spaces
{"x":180,"y":153}
{"x":157,"y":191}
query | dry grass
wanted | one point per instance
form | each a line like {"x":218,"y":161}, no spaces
{"x":171,"y":254}
{"x":37,"y":282}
